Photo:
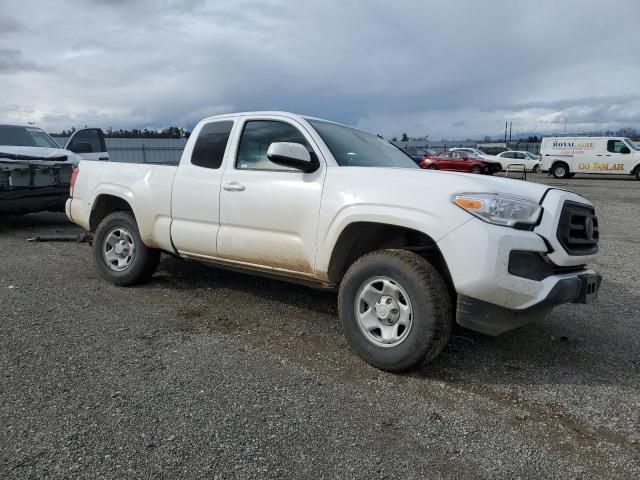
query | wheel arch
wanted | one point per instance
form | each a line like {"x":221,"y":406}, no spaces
{"x":361,"y":237}
{"x":563,"y":162}
{"x":105,"y":204}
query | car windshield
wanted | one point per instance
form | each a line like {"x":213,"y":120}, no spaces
{"x":17,"y":136}
{"x":355,"y":148}
{"x":533,"y":155}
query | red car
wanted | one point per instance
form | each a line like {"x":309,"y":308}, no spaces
{"x":459,"y":162}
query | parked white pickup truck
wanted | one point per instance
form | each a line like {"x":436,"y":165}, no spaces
{"x":410,"y":250}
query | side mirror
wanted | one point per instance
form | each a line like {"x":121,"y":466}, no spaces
{"x":625,"y":150}
{"x":81,"y":147}
{"x":293,"y":155}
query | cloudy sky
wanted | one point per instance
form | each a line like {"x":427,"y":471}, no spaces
{"x":454,"y":68}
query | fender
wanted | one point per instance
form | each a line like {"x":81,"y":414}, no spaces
{"x":422,"y":221}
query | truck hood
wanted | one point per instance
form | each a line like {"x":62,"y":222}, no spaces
{"x":486,"y":184}
{"x":455,"y":182}
{"x":44,"y":152}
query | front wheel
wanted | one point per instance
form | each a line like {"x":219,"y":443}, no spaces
{"x":119,"y":253}
{"x":395,"y":309}
{"x":476,"y":170}
{"x":432,"y":167}
{"x":535,"y":169}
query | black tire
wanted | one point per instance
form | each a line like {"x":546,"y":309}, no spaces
{"x":432,"y":167}
{"x":535,"y":169}
{"x":560,"y":170}
{"x":638,"y":173}
{"x":432,"y":316}
{"x":143,"y":261}
{"x":476,"y":170}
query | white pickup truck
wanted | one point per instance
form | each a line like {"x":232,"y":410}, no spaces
{"x":302,"y":199}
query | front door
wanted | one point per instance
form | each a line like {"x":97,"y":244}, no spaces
{"x":88,"y":143}
{"x":618,"y":156}
{"x":269,"y":213}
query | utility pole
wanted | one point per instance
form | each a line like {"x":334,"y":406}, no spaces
{"x":510,"y":125}
{"x":565,"y":124}
{"x":505,"y":132}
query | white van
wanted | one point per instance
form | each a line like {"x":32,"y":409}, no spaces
{"x":566,"y":156}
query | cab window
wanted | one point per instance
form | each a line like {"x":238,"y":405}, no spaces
{"x":617,"y":146}
{"x":208,"y":151}
{"x":256,"y":138}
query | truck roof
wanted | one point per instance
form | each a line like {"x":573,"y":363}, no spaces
{"x":584,"y":136}
{"x":294,"y":116}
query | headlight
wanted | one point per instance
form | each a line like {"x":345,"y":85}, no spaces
{"x":499,"y":209}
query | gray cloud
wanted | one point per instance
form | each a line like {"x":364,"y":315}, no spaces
{"x":11,"y":61}
{"x":9,"y":25}
{"x":445,"y":68}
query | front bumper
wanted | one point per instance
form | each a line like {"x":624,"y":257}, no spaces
{"x":495,"y":296}
{"x":491,"y":319}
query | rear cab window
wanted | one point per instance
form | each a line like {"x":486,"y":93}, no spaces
{"x":208,"y":152}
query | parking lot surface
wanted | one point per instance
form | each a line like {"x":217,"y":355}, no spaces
{"x":204,"y":373}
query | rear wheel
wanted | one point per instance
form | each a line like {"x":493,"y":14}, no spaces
{"x":560,"y":170}
{"x":638,"y":172}
{"x":395,"y":309}
{"x":119,"y":253}
{"x":432,"y":167}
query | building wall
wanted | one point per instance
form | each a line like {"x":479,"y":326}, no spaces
{"x":142,"y":150}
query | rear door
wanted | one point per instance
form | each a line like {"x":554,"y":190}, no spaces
{"x":269,"y":213}
{"x":89,"y":143}
{"x":196,"y":190}
{"x":444,"y":161}
{"x":506,"y":159}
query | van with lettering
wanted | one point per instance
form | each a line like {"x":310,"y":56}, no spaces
{"x":563,"y":157}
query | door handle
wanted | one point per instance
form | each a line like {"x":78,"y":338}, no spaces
{"x":233,"y":187}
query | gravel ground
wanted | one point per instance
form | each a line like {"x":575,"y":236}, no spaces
{"x":204,"y":373}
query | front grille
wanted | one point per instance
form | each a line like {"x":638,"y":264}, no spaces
{"x":578,"y":229}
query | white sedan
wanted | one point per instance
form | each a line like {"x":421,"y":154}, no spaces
{"x":531,"y":161}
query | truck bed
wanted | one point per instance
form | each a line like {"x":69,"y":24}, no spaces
{"x":146,"y":186}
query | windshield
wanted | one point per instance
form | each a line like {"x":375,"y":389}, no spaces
{"x":17,"y":136}
{"x":533,"y":155}
{"x":633,"y":145}
{"x":355,"y":148}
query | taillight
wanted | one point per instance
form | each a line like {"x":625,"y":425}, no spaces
{"x":74,"y":175}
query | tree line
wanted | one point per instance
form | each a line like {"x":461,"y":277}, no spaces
{"x":169,"y":132}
